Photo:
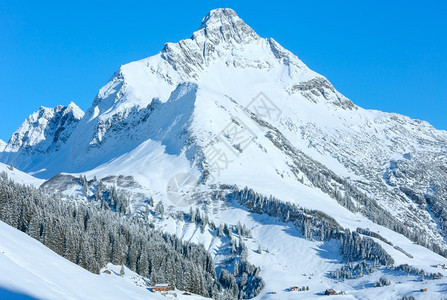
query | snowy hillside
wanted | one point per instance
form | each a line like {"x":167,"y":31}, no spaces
{"x":238,"y":129}
{"x":32,"y":271}
{"x":19,"y":176}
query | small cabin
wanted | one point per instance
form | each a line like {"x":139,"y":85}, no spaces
{"x":423,"y":290}
{"x":294,"y":288}
{"x":330,"y":292}
{"x":161,"y":287}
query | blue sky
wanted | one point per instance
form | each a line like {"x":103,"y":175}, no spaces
{"x":387,"y":55}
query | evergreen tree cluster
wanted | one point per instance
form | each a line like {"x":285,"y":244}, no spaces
{"x":354,"y":247}
{"x":403,"y":251}
{"x":408,"y":298}
{"x":383,"y":281}
{"x":355,"y":270}
{"x":240,"y":279}
{"x":197,"y":218}
{"x":314,"y":225}
{"x":110,"y":198}
{"x":249,"y":282}
{"x":91,"y":238}
{"x":373,"y":234}
{"x":238,"y":276}
{"x":418,"y":272}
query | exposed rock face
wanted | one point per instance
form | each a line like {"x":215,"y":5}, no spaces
{"x":46,"y":130}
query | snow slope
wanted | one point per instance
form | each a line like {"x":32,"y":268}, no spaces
{"x":19,"y":176}
{"x":32,"y":271}
{"x":29,"y":268}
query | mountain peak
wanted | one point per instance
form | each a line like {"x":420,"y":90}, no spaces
{"x":78,"y":113}
{"x":217,"y":15}
{"x":225,"y":24}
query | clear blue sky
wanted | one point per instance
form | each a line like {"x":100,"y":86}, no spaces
{"x":387,"y":55}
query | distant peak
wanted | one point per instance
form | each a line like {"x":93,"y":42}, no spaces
{"x":48,"y":112}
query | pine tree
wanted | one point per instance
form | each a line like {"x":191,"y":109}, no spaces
{"x":147,"y":212}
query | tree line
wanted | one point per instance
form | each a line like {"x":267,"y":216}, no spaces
{"x":313,"y":224}
{"x":91,"y":238}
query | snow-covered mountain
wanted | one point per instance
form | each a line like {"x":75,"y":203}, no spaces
{"x":52,"y":125}
{"x":232,"y":109}
{"x":44,"y":132}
